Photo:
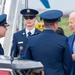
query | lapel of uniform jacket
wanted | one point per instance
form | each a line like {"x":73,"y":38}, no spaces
{"x":24,"y":36}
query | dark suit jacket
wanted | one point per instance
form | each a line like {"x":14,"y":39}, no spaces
{"x":52,"y":50}
{"x":19,"y":42}
{"x":71,"y":41}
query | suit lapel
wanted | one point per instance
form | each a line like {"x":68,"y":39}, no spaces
{"x":71,"y":41}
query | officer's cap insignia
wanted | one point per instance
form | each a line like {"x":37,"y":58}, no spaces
{"x":28,"y":11}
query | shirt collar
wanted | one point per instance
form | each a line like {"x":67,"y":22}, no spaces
{"x":32,"y":31}
{"x":47,"y":29}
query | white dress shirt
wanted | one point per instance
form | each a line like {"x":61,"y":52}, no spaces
{"x":32,"y":31}
{"x":74,"y":47}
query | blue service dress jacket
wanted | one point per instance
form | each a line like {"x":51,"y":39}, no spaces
{"x":71,"y":41}
{"x":1,"y":50}
{"x":52,"y":50}
{"x":19,"y":42}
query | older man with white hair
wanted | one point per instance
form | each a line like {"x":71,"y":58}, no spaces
{"x":71,"y":39}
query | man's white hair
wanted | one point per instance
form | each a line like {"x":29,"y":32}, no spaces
{"x":72,"y":14}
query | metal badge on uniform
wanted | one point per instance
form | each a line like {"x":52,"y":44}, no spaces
{"x":28,"y":11}
{"x":23,"y":33}
{"x":20,"y":42}
{"x":21,"y":47}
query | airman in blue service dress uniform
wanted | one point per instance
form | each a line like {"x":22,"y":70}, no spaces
{"x":3,"y":25}
{"x":49,"y":47}
{"x":20,"y":38}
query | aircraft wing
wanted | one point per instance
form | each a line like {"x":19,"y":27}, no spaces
{"x":45,"y":3}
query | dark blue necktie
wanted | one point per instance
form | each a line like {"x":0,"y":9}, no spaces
{"x":1,"y":50}
{"x":29,"y":34}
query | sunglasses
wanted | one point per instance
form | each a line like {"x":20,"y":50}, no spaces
{"x":29,"y":17}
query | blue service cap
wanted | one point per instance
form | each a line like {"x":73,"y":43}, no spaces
{"x":29,"y":12}
{"x":51,"y":15}
{"x":3,"y":20}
